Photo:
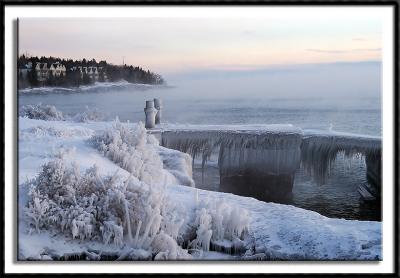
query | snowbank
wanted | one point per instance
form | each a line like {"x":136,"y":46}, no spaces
{"x":107,"y":191}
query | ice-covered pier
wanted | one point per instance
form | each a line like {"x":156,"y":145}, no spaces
{"x":261,"y":160}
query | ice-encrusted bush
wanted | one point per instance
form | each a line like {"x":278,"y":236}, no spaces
{"x":133,"y":150}
{"x":90,"y":114}
{"x":87,"y":206}
{"x":140,"y":154}
{"x":219,"y":222}
{"x":127,"y":213}
{"x":41,"y":112}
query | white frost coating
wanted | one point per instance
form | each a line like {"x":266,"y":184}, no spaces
{"x":128,"y":221}
{"x":178,"y":164}
{"x":90,"y":114}
{"x":219,"y":222}
{"x":89,"y":207}
{"x":140,"y":154}
{"x":41,"y":112}
{"x":203,"y":232}
{"x":130,"y":149}
{"x":167,"y":248}
{"x":319,"y":151}
{"x":50,"y":113}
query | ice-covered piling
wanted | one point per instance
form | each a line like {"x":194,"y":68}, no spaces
{"x":261,"y":161}
{"x":150,"y":113}
{"x":374,"y":169}
{"x":158,"y":106}
{"x":319,"y":151}
{"x":261,"y":165}
{"x":258,"y":163}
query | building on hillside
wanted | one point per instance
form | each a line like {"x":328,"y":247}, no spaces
{"x":42,"y":71}
{"x":57,"y":69}
{"x":92,"y":72}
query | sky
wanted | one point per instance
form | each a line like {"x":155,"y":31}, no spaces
{"x":183,"y":44}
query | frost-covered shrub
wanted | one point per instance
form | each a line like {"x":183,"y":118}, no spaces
{"x":87,"y":206}
{"x":41,"y":112}
{"x":220,"y":222}
{"x":90,"y":114}
{"x":56,"y":131}
{"x":133,"y":150}
{"x":204,"y":230}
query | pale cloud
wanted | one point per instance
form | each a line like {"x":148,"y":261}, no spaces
{"x":359,"y":39}
{"x":326,"y":51}
{"x":334,"y":51}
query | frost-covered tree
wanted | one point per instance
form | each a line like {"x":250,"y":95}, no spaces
{"x":41,"y":112}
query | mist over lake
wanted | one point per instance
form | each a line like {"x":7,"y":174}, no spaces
{"x":342,"y":96}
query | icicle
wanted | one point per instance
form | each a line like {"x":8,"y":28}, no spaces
{"x":128,"y":221}
{"x":196,"y":197}
{"x":319,"y":152}
{"x":137,"y":233}
{"x":265,"y":151}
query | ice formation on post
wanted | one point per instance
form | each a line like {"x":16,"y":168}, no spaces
{"x":265,"y":158}
{"x":261,"y":160}
{"x":319,"y":151}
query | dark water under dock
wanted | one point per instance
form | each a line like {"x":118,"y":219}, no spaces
{"x":338,"y":198}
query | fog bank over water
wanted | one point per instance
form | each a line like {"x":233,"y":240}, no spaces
{"x":334,"y":82}
{"x":342,"y":96}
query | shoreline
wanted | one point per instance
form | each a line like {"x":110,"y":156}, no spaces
{"x":84,"y":88}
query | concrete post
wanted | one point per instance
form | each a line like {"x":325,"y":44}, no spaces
{"x":150,"y":112}
{"x":158,"y":106}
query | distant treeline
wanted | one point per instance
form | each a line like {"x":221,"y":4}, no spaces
{"x":73,"y":73}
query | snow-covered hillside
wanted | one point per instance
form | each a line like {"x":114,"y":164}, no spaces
{"x":107,"y":190}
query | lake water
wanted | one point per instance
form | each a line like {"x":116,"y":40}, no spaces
{"x":184,"y":103}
